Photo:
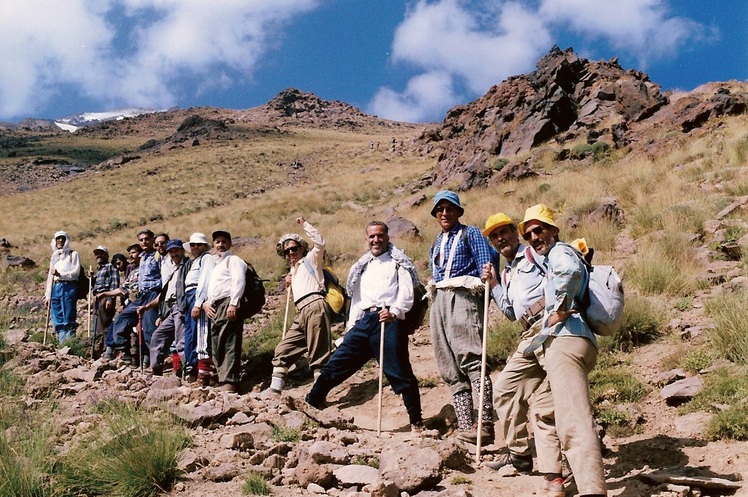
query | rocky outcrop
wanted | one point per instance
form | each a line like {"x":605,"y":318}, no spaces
{"x":566,"y":98}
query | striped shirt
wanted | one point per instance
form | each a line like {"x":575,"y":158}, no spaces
{"x":149,"y":276}
{"x":107,"y":278}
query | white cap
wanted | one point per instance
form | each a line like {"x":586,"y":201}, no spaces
{"x":196,"y":238}
{"x":101,"y":248}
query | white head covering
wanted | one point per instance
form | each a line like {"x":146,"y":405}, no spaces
{"x":66,"y":247}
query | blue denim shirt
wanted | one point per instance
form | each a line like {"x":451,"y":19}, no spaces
{"x":567,"y":279}
{"x":149,"y":276}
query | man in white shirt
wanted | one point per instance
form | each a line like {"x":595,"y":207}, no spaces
{"x":381,"y":289}
{"x":225,"y":289}
{"x":310,"y":331}
{"x":198,"y":364}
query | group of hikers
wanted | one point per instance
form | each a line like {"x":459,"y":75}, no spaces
{"x":188,"y":307}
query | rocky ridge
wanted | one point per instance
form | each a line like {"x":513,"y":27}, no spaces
{"x":567,"y":98}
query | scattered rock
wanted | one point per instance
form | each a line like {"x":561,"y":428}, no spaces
{"x":682,"y":390}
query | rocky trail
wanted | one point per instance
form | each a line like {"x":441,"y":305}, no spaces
{"x":340,"y":454}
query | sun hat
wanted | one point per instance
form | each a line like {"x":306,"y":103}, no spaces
{"x":496,"y":221}
{"x":196,"y":238}
{"x":450,"y":197}
{"x":174,"y":243}
{"x":290,"y":236}
{"x":218,"y":233}
{"x":101,"y":248}
{"x":539,"y":212}
{"x":135,"y":246}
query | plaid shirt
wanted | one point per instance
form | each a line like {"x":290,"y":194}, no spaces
{"x":107,"y":278}
{"x":468,"y":261}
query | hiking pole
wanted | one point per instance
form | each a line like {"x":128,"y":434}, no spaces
{"x":95,"y":325}
{"x":285,"y":319}
{"x":381,"y":370}
{"x":140,"y":342}
{"x":46,"y":321}
{"x":90,"y":291}
{"x":482,"y":389}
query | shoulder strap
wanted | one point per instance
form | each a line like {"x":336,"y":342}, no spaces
{"x":531,"y":258}
{"x":308,"y":266}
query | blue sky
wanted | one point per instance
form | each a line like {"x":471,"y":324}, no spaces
{"x":406,"y":60}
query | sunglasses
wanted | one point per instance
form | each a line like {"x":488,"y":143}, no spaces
{"x":159,"y":244}
{"x":291,"y":250}
{"x":446,"y":208}
{"x":537,"y":230}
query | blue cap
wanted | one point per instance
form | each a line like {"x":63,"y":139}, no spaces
{"x":450,"y":197}
{"x":174,"y":243}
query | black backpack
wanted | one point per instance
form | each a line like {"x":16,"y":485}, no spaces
{"x":253,"y":297}
{"x":83,"y":284}
{"x":414,"y":317}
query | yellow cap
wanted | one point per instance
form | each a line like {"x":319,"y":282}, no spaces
{"x":496,"y":221}
{"x":539,"y":212}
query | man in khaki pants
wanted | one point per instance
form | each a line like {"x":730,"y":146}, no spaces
{"x":310,"y":331}
{"x":570,"y":349}
{"x":519,"y":293}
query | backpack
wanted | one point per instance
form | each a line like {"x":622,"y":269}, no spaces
{"x":253,"y":298}
{"x":602,"y":302}
{"x":82,"y":284}
{"x":414,"y":317}
{"x":335,"y":295}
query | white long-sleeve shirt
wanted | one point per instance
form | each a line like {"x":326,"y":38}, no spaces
{"x":227,"y":279}
{"x":67,"y":263}
{"x":384,"y":283}
{"x":302,"y":281}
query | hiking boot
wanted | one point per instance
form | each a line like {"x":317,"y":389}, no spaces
{"x":145,"y":361}
{"x":228,"y":387}
{"x":157,"y":370}
{"x":107,"y":355}
{"x":553,"y":488}
{"x":276,"y":387}
{"x":314,"y":403}
{"x":471,"y":436}
{"x":126,"y":359}
{"x":523,"y":464}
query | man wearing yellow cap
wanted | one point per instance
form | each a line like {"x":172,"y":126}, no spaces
{"x":569,"y":347}
{"x":457,"y":259}
{"x":518,"y":292}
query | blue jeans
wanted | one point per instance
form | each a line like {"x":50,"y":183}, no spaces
{"x":360,"y":344}
{"x":62,"y":309}
{"x":190,"y":330}
{"x":128,"y":318}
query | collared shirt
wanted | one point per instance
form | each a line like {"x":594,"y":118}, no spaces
{"x":149,"y":273}
{"x":521,"y":284}
{"x":167,"y":268}
{"x":173,"y":280}
{"x":205,"y":264}
{"x":107,"y":278}
{"x":567,"y":279}
{"x":227,"y":279}
{"x":468,"y":260}
{"x":302,"y":281}
{"x":384,"y":283}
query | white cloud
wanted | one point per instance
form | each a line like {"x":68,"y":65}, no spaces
{"x":46,"y":44}
{"x":424,"y":97}
{"x":641,"y":28}
{"x":477,"y":44}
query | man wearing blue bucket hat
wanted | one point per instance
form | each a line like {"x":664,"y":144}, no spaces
{"x":457,"y":258}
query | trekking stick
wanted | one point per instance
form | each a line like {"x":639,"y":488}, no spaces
{"x":140,"y":342}
{"x":90,"y":291}
{"x":482,"y":373}
{"x":46,"y":321}
{"x":381,"y":370}
{"x":96,"y":322}
{"x":285,"y":319}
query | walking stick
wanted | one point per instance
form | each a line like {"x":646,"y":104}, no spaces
{"x":140,"y":342}
{"x":381,"y":370}
{"x":482,"y":374}
{"x":90,"y":291}
{"x":285,"y":319}
{"x":95,"y":325}
{"x":46,"y":321}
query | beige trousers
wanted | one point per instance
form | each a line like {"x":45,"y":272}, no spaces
{"x":308,"y":334}
{"x":521,"y":384}
{"x":568,"y":360}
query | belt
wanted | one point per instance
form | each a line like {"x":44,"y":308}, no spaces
{"x":191,"y":287}
{"x":306,"y":299}
{"x":375,"y":309}
{"x":533,"y":314}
